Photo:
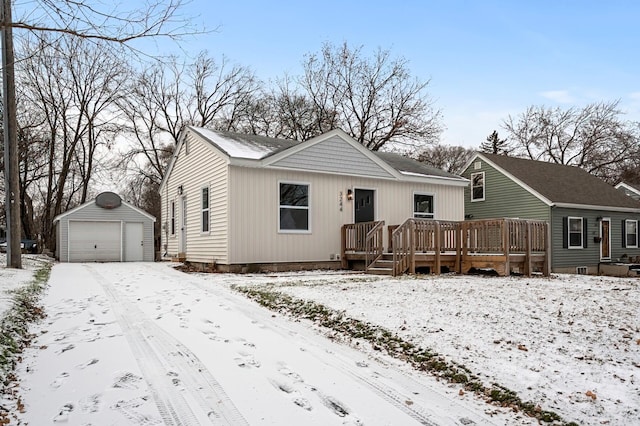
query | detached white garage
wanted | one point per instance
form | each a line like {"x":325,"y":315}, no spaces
{"x":106,"y":229}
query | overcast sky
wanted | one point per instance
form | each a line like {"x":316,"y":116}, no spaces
{"x":485,"y":59}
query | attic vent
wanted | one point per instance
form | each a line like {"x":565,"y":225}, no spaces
{"x":477,"y":165}
{"x":108,"y":200}
{"x":582,"y":270}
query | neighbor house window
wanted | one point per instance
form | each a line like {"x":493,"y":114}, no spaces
{"x":205,"y":210}
{"x":173,"y":218}
{"x":294,"y":207}
{"x":423,"y":206}
{"x":575,"y":232}
{"x":631,"y":233}
{"x":477,"y":186}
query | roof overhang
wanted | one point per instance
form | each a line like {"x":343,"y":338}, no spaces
{"x":591,"y":207}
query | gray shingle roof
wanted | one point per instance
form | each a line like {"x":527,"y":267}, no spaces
{"x":563,"y":184}
{"x":406,"y":164}
{"x":260,"y":147}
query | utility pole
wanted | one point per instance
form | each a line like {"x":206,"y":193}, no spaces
{"x":11,"y":172}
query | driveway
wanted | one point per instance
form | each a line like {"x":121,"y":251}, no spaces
{"x":143,"y":344}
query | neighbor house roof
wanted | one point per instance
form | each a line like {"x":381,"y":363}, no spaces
{"x":632,"y":189}
{"x":560,"y":184}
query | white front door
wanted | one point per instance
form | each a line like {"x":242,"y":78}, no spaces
{"x":134,"y":238}
{"x":183,"y":227}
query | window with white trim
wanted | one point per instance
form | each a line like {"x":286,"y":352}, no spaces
{"x":574,"y":232}
{"x":173,"y":218}
{"x":204,"y":228}
{"x":423,"y":206}
{"x":477,"y":186}
{"x":294,"y":207}
{"x":631,"y":233}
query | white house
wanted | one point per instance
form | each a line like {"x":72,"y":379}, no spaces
{"x":246,"y":201}
{"x":106,"y":229}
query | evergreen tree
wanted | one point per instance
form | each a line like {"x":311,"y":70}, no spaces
{"x":495,"y":145}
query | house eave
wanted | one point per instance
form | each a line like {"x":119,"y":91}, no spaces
{"x":592,"y":207}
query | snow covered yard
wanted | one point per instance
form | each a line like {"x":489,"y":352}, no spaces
{"x":570,"y":343}
{"x":144,"y":344}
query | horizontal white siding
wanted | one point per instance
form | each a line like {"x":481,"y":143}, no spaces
{"x":253,"y":220}
{"x":200,"y":167}
{"x":333,"y":155}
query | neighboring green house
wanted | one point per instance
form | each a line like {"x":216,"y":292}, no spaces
{"x":591,"y":221}
{"x":630,"y":189}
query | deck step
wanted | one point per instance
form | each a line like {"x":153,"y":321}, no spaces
{"x":376,"y":270}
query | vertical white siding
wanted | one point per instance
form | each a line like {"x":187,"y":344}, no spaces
{"x":253,"y":221}
{"x":201,"y":167}
{"x":333,"y":155}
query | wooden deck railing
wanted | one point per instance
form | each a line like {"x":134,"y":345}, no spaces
{"x":374,"y":244}
{"x":354,"y":237}
{"x":492,"y":238}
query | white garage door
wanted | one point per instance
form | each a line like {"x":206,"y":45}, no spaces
{"x":95,"y":241}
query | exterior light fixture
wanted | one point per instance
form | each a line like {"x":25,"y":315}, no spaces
{"x":180,"y":190}
{"x":349,"y":194}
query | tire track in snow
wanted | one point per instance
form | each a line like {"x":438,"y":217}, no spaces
{"x":397,"y":395}
{"x":162,"y":359}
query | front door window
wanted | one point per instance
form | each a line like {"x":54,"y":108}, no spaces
{"x":364,"y":205}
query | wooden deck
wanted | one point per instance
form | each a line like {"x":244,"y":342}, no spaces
{"x":506,"y":246}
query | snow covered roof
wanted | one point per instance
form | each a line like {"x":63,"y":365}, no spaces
{"x":236,"y":145}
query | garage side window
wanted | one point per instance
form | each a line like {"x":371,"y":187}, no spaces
{"x":205,"y":210}
{"x":294,"y":207}
{"x":172,"y":218}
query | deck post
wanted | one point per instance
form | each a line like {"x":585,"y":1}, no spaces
{"x":547,"y":250}
{"x":412,"y":249}
{"x":527,"y":256}
{"x":438,"y":247}
{"x":506,"y":246}
{"x":458,"y":266}
{"x":344,"y":263}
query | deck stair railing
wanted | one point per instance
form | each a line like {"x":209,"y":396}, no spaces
{"x":374,"y":244}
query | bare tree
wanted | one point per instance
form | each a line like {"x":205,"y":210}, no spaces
{"x":449,"y":158}
{"x":72,"y":87}
{"x":595,"y":137}
{"x":375,"y":100}
{"x":82,"y":19}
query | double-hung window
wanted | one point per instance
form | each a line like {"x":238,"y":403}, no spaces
{"x":575,"y":232}
{"x":173,"y":218}
{"x":631,"y":233}
{"x":294,"y":207}
{"x":423,"y":206}
{"x":204,"y":228}
{"x":477,"y":186}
